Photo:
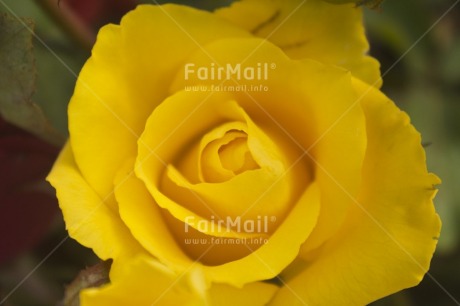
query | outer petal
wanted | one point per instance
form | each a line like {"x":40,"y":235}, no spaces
{"x":391,"y":233}
{"x":127,"y":76}
{"x":144,"y":282}
{"x":87,"y":218}
{"x":332,"y":34}
{"x":253,"y":294}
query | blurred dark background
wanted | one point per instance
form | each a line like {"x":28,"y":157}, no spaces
{"x":416,"y":41}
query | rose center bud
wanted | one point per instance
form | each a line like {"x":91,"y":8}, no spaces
{"x":227,"y":155}
{"x":236,"y":157}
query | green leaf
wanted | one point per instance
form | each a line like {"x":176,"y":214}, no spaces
{"x":18,"y":78}
{"x":450,"y":63}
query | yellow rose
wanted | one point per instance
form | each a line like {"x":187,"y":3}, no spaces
{"x":195,"y":142}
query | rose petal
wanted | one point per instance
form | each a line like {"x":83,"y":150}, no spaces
{"x":144,"y":218}
{"x":87,"y":218}
{"x":144,"y":282}
{"x":390,"y":234}
{"x":253,"y":294}
{"x":332,"y":34}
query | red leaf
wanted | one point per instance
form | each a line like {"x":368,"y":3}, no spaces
{"x":26,"y":207}
{"x":97,"y":13}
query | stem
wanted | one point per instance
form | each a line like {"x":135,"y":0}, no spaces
{"x":69,"y":21}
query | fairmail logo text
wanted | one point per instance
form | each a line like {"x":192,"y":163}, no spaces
{"x":236,"y":72}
